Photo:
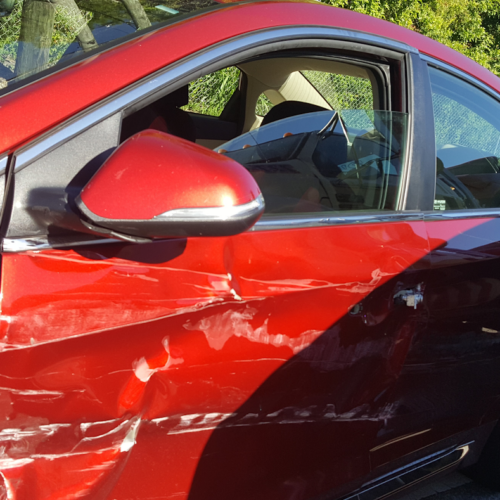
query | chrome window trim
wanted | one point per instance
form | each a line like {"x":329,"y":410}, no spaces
{"x":460,"y":74}
{"x":189,"y":67}
{"x":475,"y":213}
{"x":269,"y":222}
{"x":18,"y":245}
{"x":3,"y":164}
{"x":173,"y":73}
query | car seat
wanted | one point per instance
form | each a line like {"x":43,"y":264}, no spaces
{"x":287,"y":109}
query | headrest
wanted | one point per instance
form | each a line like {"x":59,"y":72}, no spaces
{"x":287,"y":109}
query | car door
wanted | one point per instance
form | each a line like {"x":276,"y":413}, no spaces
{"x":258,"y":365}
{"x":461,"y":343}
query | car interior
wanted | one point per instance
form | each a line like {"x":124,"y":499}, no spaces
{"x":315,"y":132}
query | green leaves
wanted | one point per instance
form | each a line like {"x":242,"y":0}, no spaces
{"x":469,"y":26}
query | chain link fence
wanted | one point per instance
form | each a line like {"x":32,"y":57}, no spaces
{"x":209,"y":94}
{"x":342,"y":91}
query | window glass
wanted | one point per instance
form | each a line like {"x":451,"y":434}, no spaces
{"x":209,"y":94}
{"x":36,"y":35}
{"x":326,"y":161}
{"x":467,"y":127}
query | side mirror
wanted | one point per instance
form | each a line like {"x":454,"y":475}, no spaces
{"x":156,"y":185}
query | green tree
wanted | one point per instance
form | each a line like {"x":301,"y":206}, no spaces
{"x":469,"y":26}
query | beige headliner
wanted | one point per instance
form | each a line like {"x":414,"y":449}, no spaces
{"x":280,"y":79}
{"x":273,"y":72}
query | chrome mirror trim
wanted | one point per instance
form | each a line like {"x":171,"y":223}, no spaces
{"x":184,"y":222}
{"x":210,"y":214}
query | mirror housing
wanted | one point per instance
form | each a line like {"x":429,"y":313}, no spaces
{"x":156,"y":185}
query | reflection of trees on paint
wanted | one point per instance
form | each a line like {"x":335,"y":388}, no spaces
{"x":137,"y":13}
{"x":35,"y":34}
{"x":43,"y":37}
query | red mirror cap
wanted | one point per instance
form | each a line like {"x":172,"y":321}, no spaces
{"x":153,"y":173}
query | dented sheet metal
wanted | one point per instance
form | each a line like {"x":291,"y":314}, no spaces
{"x":140,"y":371}
{"x":63,"y":460}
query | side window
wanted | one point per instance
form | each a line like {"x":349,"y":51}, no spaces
{"x":324,"y":161}
{"x":467,"y":127}
{"x":209,"y":94}
{"x":321,"y":148}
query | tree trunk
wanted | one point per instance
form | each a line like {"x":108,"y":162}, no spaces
{"x":137,"y":13}
{"x":37,"y":25}
{"x":85,"y":36}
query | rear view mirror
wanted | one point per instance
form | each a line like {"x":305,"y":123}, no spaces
{"x":156,"y":185}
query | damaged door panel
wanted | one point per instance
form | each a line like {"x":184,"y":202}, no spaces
{"x":120,"y":362}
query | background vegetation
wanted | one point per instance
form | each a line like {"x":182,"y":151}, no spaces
{"x":469,"y":26}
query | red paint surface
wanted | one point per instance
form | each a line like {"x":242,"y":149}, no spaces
{"x":204,"y":368}
{"x":183,"y":339}
{"x":233,"y":367}
{"x":154,"y":172}
{"x":34,"y":109}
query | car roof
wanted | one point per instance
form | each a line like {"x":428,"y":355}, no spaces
{"x":39,"y":106}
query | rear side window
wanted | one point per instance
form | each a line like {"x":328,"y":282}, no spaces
{"x":467,"y":128}
{"x":209,"y":94}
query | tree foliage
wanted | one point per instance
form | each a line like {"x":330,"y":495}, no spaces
{"x":469,"y":26}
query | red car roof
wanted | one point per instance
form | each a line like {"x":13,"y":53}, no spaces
{"x":36,"y":108}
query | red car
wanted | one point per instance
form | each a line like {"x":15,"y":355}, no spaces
{"x":249,"y":251}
